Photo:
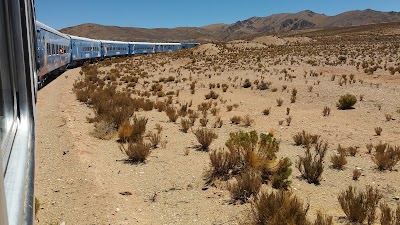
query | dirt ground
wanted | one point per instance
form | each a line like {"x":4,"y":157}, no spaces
{"x":84,"y":180}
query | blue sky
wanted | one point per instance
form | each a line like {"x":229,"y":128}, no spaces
{"x":174,"y":13}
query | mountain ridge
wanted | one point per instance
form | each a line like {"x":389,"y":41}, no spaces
{"x":273,"y":24}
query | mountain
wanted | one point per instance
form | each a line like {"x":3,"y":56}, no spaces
{"x":273,"y":24}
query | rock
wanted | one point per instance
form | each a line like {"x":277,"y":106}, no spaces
{"x":117,"y":210}
{"x":396,"y":198}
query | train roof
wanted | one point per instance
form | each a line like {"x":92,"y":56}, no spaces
{"x":45,"y":27}
{"x":114,"y":42}
{"x":168,"y":43}
{"x":83,"y":38}
{"x":142,"y":43}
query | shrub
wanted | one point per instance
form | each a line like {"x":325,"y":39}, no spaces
{"x":280,"y":179}
{"x":288,"y":120}
{"x":236,"y":119}
{"x":204,"y":120}
{"x":155,"y":139}
{"x":247,"y":83}
{"x":386,"y":157}
{"x":305,"y":139}
{"x":171,"y":113}
{"x":360,"y":206}
{"x":125,"y":131}
{"x":136,"y":152}
{"x":103,"y":130}
{"x":205,"y":137}
{"x":389,"y":217}
{"x":279,"y":101}
{"x":311,"y":166}
{"x":262,"y":86}
{"x":277,"y":208}
{"x":186,"y":124}
{"x":338,"y":161}
{"x":326,"y":111}
{"x":323,"y":220}
{"x":247,"y":121}
{"x":346,"y":101}
{"x":193,"y":116}
{"x":267,"y":111}
{"x":247,"y":184}
{"x":139,"y":128}
{"x":212,"y":95}
{"x":356,"y":174}
{"x":388,"y":117}
{"x":218,"y":123}
{"x":378,"y":130}
{"x":369,"y":147}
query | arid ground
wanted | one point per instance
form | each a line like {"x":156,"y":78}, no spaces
{"x":81,"y":179}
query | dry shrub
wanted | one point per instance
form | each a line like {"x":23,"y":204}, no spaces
{"x":136,"y":152}
{"x":205,"y":137}
{"x":247,"y":121}
{"x":125,"y":131}
{"x":236,"y":120}
{"x":204,"y":121}
{"x":244,"y":186}
{"x":193,"y":116}
{"x":369,"y":147}
{"x":277,"y":208}
{"x":352,"y":151}
{"x":103,"y":130}
{"x":248,"y":151}
{"x":311,"y":166}
{"x":186,"y":124}
{"x":323,"y":219}
{"x":378,"y":130}
{"x":139,"y":128}
{"x":155,"y":139}
{"x":346,"y":101}
{"x":212,"y":95}
{"x":171,"y":113}
{"x":338,"y":161}
{"x":229,"y":108}
{"x":218,"y":123}
{"x":279,"y":101}
{"x":356,"y":174}
{"x":267,"y":111}
{"x":111,"y":106}
{"x":305,"y":139}
{"x":386,"y":156}
{"x":389,"y":217}
{"x":326,"y":111}
{"x":388,"y":117}
{"x":159,"y":106}
{"x":360,"y":206}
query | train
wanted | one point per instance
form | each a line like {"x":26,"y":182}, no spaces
{"x":58,"y":51}
{"x":30,"y":52}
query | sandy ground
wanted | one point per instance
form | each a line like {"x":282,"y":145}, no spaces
{"x":82,"y":180}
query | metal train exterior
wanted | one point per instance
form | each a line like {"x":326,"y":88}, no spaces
{"x":56,"y":51}
{"x":18,"y":74}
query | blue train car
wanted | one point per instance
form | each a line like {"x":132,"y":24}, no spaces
{"x":142,"y":48}
{"x":84,"y":49}
{"x":168,"y":47}
{"x":53,"y":49}
{"x":189,"y":45}
{"x":114,"y":48}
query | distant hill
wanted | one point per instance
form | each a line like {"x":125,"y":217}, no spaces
{"x":273,"y":24}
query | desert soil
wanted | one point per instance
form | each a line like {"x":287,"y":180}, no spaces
{"x":84,"y":180}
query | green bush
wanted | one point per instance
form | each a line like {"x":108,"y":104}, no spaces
{"x":347,"y":101}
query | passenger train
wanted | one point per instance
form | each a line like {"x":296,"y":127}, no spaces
{"x":57,"y":51}
{"x":30,"y":52}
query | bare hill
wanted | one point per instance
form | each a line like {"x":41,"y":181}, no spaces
{"x":273,"y":24}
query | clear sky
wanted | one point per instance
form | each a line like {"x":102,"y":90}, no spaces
{"x":174,"y":13}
